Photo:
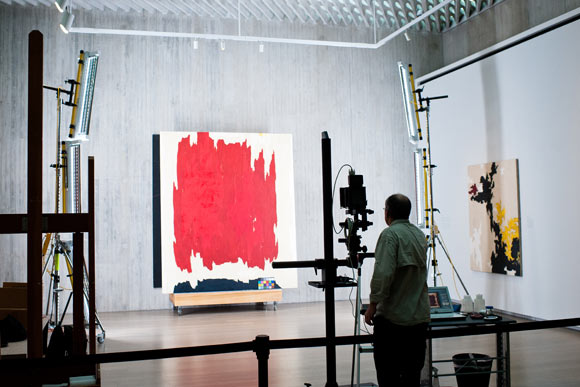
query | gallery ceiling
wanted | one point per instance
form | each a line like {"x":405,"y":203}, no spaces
{"x":361,"y":14}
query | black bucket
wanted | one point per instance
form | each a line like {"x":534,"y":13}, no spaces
{"x":466,"y":364}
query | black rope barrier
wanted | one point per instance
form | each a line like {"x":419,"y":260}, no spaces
{"x":262,"y":345}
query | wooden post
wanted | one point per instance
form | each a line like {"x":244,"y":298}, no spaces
{"x":34,"y":239}
{"x":92,"y":300}
{"x":79,"y":334}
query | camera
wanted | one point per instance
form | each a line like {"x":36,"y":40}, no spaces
{"x":353,"y":198}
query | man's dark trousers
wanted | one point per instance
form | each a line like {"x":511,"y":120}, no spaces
{"x":399,"y":353}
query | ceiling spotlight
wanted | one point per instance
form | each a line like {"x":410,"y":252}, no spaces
{"x":66,"y":21}
{"x":261,"y":47}
{"x":60,"y":5}
{"x":195,"y":44}
{"x":223,"y":45}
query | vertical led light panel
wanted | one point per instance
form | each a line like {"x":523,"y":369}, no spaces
{"x":82,"y":117}
{"x":409,"y":102}
{"x":73,"y":184}
{"x":419,"y":188}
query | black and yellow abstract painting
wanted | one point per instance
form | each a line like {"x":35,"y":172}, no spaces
{"x":494,"y":218}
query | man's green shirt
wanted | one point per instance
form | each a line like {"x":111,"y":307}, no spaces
{"x":399,"y":282}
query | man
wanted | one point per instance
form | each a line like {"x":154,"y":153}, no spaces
{"x":399,"y":303}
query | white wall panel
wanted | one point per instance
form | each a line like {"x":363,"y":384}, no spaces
{"x":521,"y":103}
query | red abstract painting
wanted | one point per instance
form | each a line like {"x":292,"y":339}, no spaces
{"x":226,"y":209}
{"x":224,"y":204}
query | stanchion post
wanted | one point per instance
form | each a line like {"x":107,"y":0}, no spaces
{"x":262,"y":349}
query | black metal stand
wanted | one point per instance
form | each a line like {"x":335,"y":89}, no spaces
{"x":327,"y":266}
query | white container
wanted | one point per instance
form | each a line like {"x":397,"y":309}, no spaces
{"x":467,"y":304}
{"x":479,"y":304}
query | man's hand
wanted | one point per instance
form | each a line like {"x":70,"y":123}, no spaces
{"x":370,"y":314}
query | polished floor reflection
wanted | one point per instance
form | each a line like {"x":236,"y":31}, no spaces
{"x":539,"y":358}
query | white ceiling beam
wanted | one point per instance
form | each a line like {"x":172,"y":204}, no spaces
{"x":271,"y":9}
{"x":180,"y":7}
{"x":239,"y":38}
{"x":380,"y":11}
{"x":83,"y":4}
{"x":174,"y":7}
{"x":425,"y":9}
{"x":382,"y":42}
{"x":156,"y":6}
{"x":336,"y":8}
{"x":219,"y":13}
{"x":229,"y":13}
{"x":331,"y":16}
{"x":285,"y":12}
{"x":261,"y":10}
{"x":120,"y":4}
{"x":251,"y":12}
{"x":355,"y":20}
{"x":202,"y":7}
{"x":185,"y":8}
{"x":191,"y":8}
{"x":306,"y":12}
{"x":295,"y":12}
{"x":395,"y":13}
{"x":243,"y":13}
{"x":361,"y":12}
{"x":133,"y":7}
{"x":317,"y":11}
{"x":467,"y":7}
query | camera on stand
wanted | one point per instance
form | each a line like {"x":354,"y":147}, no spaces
{"x":353,"y":198}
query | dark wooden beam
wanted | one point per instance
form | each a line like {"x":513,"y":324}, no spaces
{"x":34,"y":241}
{"x":61,"y":223}
{"x":92,"y":300}
{"x":79,"y":335}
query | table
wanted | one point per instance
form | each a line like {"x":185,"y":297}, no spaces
{"x":502,"y":347}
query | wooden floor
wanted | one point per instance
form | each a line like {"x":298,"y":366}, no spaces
{"x":538,"y":358}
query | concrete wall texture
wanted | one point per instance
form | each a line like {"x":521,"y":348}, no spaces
{"x":147,"y":84}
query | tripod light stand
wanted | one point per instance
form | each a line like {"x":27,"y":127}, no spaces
{"x":413,"y":103}
{"x":434,"y":234}
{"x":67,"y":187}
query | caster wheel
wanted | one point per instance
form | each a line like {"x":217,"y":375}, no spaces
{"x":101,"y":338}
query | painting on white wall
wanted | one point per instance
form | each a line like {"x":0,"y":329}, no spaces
{"x":494,"y":218}
{"x":227,"y":211}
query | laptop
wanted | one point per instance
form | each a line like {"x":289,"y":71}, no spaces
{"x":441,"y":305}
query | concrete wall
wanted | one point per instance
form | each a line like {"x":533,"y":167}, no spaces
{"x":500,"y":22}
{"x":146,"y":85}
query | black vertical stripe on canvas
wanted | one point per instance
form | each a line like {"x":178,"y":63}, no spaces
{"x":156,"y":214}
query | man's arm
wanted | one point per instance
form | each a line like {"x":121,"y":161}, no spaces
{"x":384,"y":270}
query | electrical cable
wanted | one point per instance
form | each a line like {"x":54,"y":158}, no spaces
{"x":452,"y":266}
{"x":333,"y":189}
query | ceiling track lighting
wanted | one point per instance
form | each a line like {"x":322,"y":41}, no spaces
{"x":61,"y":5}
{"x":66,"y":21}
